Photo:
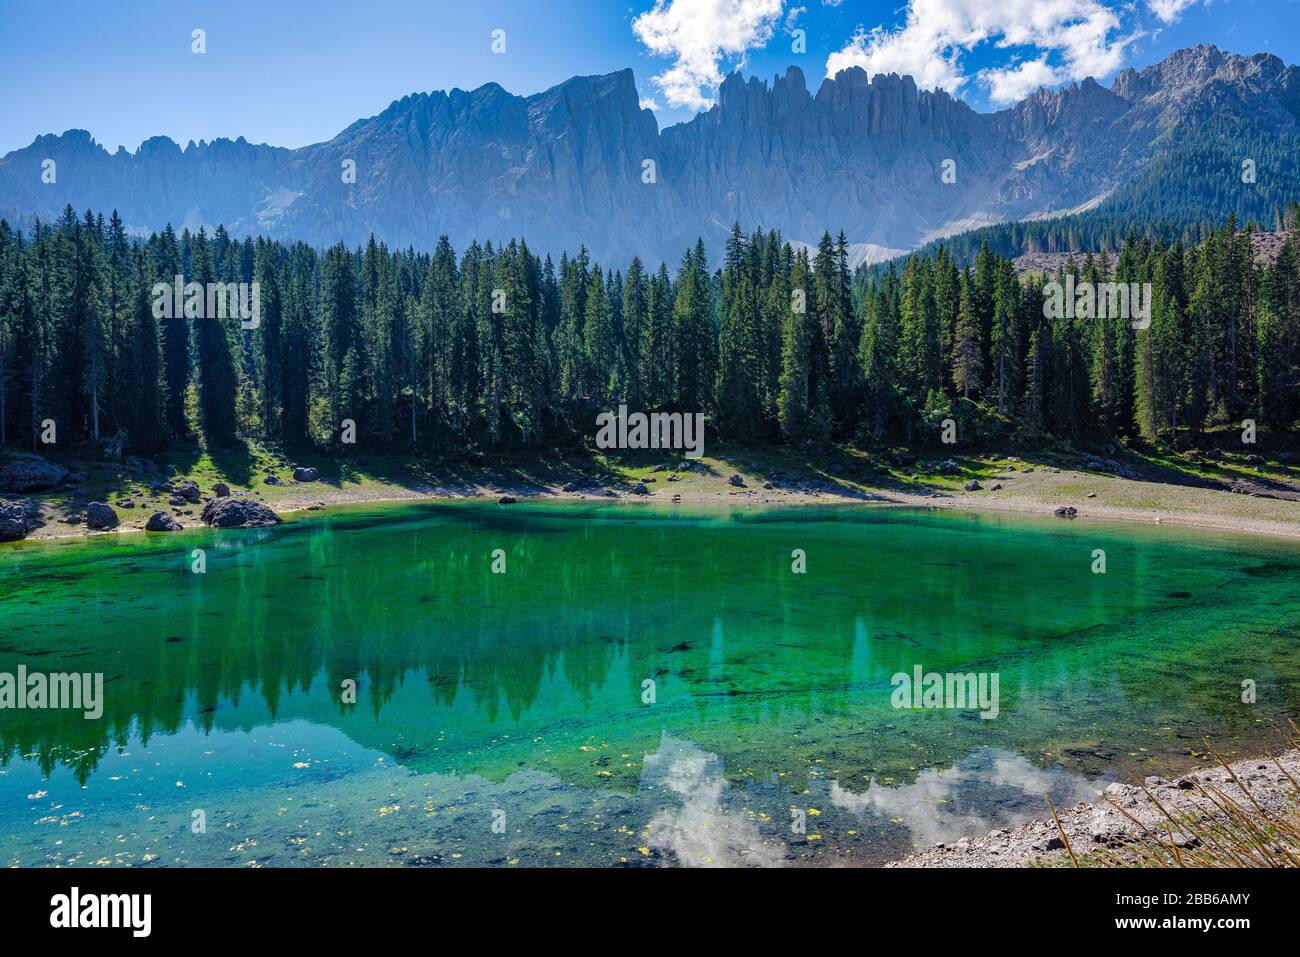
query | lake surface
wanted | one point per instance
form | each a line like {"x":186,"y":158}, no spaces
{"x":505,"y":718}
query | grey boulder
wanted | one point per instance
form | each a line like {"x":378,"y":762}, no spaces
{"x":162,"y":522}
{"x":100,"y":516}
{"x":238,"y":513}
{"x":30,"y":474}
{"x":13,"y":521}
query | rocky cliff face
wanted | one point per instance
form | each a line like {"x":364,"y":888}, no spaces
{"x":582,"y":163}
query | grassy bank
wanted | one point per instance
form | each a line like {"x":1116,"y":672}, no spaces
{"x":1150,"y":486}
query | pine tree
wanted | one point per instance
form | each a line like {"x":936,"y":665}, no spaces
{"x":967,"y":360}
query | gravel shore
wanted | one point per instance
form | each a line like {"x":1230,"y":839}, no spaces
{"x":1090,"y":827}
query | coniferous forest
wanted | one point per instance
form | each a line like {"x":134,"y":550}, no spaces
{"x":493,"y":347}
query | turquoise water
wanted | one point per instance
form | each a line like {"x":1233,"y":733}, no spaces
{"x":505,"y":718}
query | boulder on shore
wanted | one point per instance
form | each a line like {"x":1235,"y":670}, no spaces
{"x":305,"y":474}
{"x":189,"y":491}
{"x":238,"y":513}
{"x":221,"y":490}
{"x":13,"y":521}
{"x":162,"y":522}
{"x":30,"y":473}
{"x":973,"y":486}
{"x":506,"y":500}
{"x":100,"y":516}
{"x":1066,"y":511}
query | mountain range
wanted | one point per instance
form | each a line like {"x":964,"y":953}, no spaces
{"x":891,"y":165}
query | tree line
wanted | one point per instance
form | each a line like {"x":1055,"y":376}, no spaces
{"x":496,"y":347}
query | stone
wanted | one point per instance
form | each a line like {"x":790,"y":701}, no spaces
{"x":221,"y":490}
{"x":30,"y":473}
{"x":973,"y":486}
{"x":238,"y":513}
{"x":100,"y":516}
{"x":736,"y":480}
{"x":162,"y":522}
{"x":13,"y":521}
{"x":272,"y":480}
{"x":305,"y":474}
{"x":1066,"y":511}
{"x":189,"y":491}
{"x":640,"y":489}
{"x":506,"y":500}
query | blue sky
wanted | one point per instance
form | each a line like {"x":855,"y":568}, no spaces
{"x":292,"y":73}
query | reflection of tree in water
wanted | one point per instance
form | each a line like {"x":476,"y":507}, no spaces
{"x":375,"y":600}
{"x":743,"y":649}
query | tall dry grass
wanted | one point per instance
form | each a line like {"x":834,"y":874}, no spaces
{"x":1219,"y":830}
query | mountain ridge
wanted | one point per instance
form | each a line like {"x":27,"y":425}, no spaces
{"x":581,"y":163}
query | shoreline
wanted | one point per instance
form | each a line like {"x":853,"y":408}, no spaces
{"x":1100,"y":826}
{"x":323,"y":497}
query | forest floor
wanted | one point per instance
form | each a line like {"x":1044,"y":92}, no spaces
{"x":1245,"y":491}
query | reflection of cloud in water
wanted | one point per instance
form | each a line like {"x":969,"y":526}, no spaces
{"x":701,"y":832}
{"x":989,"y":788}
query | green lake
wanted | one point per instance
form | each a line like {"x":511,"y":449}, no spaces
{"x":631,"y":685}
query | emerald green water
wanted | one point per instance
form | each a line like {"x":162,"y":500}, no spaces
{"x":518,"y":697}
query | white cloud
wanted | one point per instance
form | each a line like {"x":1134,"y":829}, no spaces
{"x":649,"y":103}
{"x":1082,"y":36}
{"x":699,"y":33}
{"x":1013,"y":83}
{"x":1170,"y":10}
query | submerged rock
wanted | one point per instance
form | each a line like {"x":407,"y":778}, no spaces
{"x":100,"y":516}
{"x":162,"y":522}
{"x":238,"y":513}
